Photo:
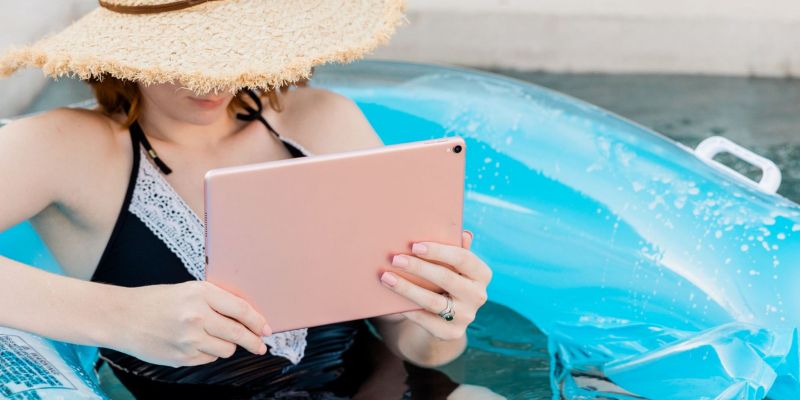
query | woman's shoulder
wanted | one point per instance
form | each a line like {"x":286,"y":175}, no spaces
{"x":71,"y":141}
{"x":326,"y":122}
{"x":62,"y":129}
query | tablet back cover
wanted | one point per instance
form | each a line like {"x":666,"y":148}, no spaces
{"x":305,"y":240}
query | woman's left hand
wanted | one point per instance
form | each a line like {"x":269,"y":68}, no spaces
{"x":465,"y":281}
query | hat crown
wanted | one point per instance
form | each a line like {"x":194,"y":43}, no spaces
{"x":148,"y":6}
{"x":146,"y":3}
{"x":211,"y":45}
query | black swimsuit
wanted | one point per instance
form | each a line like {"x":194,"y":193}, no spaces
{"x":157,"y":239}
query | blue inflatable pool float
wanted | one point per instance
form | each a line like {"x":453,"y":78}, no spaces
{"x":655,"y":272}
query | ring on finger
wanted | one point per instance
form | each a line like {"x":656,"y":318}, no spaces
{"x":448,"y":314}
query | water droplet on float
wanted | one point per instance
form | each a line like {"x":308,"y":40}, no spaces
{"x":771,"y":308}
{"x":781,"y":236}
{"x":744,"y":247}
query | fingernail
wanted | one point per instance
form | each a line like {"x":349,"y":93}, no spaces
{"x":419,"y":248}
{"x":263,"y":349}
{"x":267,"y":330}
{"x":400,"y":261}
{"x":389,"y":279}
{"x":471,"y":235}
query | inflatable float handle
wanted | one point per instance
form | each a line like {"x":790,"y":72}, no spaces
{"x":714,"y":145}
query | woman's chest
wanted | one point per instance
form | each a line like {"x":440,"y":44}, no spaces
{"x":186,"y":182}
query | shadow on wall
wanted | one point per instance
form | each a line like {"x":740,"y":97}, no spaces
{"x":24,"y":22}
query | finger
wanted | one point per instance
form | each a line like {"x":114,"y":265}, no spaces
{"x":466,"y":239}
{"x":435,"y":325}
{"x":237,"y":308}
{"x":233,"y":332}
{"x":426,"y":299}
{"x":200,"y":359}
{"x":390,"y":318}
{"x":453,"y":283}
{"x":464,"y":261}
{"x":217,"y":347}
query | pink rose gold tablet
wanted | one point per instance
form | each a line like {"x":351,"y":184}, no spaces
{"x":305,"y":240}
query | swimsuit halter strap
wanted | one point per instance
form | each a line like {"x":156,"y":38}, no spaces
{"x":250,"y":114}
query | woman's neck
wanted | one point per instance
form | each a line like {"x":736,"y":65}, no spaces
{"x":163,"y":128}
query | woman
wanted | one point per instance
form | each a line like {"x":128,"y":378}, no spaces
{"x":115,"y":193}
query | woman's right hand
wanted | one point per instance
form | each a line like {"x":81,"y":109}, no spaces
{"x":187,"y":324}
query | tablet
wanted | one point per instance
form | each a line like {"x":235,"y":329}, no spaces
{"x":305,"y":240}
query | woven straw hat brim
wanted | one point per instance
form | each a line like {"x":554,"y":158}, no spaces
{"x":216,"y":46}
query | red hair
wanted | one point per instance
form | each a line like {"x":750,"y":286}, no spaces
{"x":116,"y":95}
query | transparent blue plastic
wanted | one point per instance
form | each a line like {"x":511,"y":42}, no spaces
{"x":653,"y":274}
{"x":21,"y":243}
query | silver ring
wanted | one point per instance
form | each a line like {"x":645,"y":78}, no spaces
{"x":448,"y":313}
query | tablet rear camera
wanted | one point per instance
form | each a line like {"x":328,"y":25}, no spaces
{"x":457,"y":149}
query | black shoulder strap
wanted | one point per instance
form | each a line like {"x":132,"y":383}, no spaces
{"x":256,"y":114}
{"x":137,"y":133}
{"x":251,"y":114}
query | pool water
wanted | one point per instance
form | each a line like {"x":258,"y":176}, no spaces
{"x":758,"y":113}
{"x":511,"y":352}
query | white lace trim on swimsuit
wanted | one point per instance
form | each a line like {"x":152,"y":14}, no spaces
{"x":298,"y":146}
{"x":164,"y":212}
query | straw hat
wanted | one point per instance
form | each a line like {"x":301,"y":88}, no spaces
{"x":209,"y":45}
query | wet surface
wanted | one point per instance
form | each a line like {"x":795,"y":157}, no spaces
{"x":760,"y":114}
{"x":506,"y":353}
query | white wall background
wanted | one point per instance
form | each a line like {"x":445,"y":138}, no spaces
{"x":23,"y":22}
{"x":729,"y":37}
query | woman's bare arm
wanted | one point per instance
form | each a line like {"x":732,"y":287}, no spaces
{"x":45,"y":163}
{"x":55,"y":306}
{"x":34,"y":174}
